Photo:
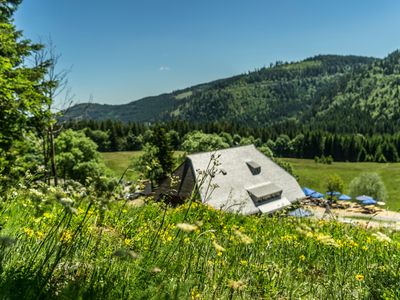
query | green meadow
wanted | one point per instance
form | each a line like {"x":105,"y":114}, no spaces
{"x":314,"y":175}
{"x":118,"y":162}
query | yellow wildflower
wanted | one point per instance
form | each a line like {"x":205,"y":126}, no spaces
{"x":243,"y":262}
{"x":39,"y":234}
{"x":195,"y":294}
{"x":66,"y":237}
{"x":302,"y":257}
{"x":359,"y":277}
{"x":29,"y":232}
{"x":127,"y":242}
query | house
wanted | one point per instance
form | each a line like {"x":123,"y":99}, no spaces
{"x":239,"y":179}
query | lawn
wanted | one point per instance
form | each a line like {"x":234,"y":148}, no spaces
{"x":119,"y":161}
{"x":314,"y":175}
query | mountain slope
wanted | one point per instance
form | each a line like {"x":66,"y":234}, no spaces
{"x":323,"y":89}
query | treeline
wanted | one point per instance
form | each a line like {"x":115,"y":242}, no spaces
{"x":283,"y":139}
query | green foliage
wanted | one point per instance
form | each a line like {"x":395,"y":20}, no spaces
{"x":77,"y":156}
{"x":157,"y":160}
{"x":264,"y":149}
{"x":335,"y":183}
{"x":21,"y":94}
{"x":101,"y":138}
{"x":369,"y":184}
{"x":198,"y":141}
{"x":148,"y":164}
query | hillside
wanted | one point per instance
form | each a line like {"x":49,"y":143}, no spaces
{"x":325,"y":89}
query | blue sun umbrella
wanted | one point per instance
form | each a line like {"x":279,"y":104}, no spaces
{"x":344,"y":197}
{"x":308,"y":191}
{"x":316,"y":195}
{"x":369,"y":202}
{"x":364,"y":198}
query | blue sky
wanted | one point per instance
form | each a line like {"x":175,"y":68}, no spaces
{"x":124,"y":50}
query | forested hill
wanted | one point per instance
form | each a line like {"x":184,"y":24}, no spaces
{"x":336,"y":92}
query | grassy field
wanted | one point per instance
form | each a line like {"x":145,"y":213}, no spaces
{"x":314,"y":175}
{"x":119,"y":161}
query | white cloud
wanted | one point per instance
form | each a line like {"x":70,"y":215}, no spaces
{"x":164,"y":68}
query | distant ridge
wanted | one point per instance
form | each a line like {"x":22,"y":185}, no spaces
{"x":323,"y":88}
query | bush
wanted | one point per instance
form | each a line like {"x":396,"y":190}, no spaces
{"x":368,"y":184}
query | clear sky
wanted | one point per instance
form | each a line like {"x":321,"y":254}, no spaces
{"x":127,"y":49}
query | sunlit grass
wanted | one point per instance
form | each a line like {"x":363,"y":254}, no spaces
{"x":191,"y":251}
{"x":314,"y":175}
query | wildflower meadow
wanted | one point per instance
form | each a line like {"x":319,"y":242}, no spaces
{"x":63,"y":243}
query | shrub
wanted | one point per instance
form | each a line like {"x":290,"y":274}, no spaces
{"x":368,"y":184}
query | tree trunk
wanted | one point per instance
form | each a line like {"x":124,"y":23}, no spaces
{"x":53,"y":154}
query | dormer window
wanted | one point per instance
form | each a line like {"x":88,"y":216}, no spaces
{"x":265,"y":192}
{"x":254,"y":167}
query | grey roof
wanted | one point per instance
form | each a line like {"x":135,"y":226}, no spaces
{"x":230,"y":191}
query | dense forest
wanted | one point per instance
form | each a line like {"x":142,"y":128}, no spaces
{"x":284,"y":141}
{"x":339,"y":94}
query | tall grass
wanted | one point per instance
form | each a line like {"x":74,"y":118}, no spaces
{"x":65,"y":244}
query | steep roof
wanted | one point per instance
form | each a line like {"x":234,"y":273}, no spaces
{"x":235,"y":186}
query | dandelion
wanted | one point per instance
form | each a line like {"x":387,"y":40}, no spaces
{"x":47,"y":215}
{"x":39,"y":234}
{"x":186,"y":227}
{"x":66,"y":237}
{"x":218,"y":247}
{"x":302,"y":257}
{"x":243,"y":262}
{"x":359,"y":277}
{"x":195,"y":294}
{"x":236,"y":285}
{"x":29,"y":232}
